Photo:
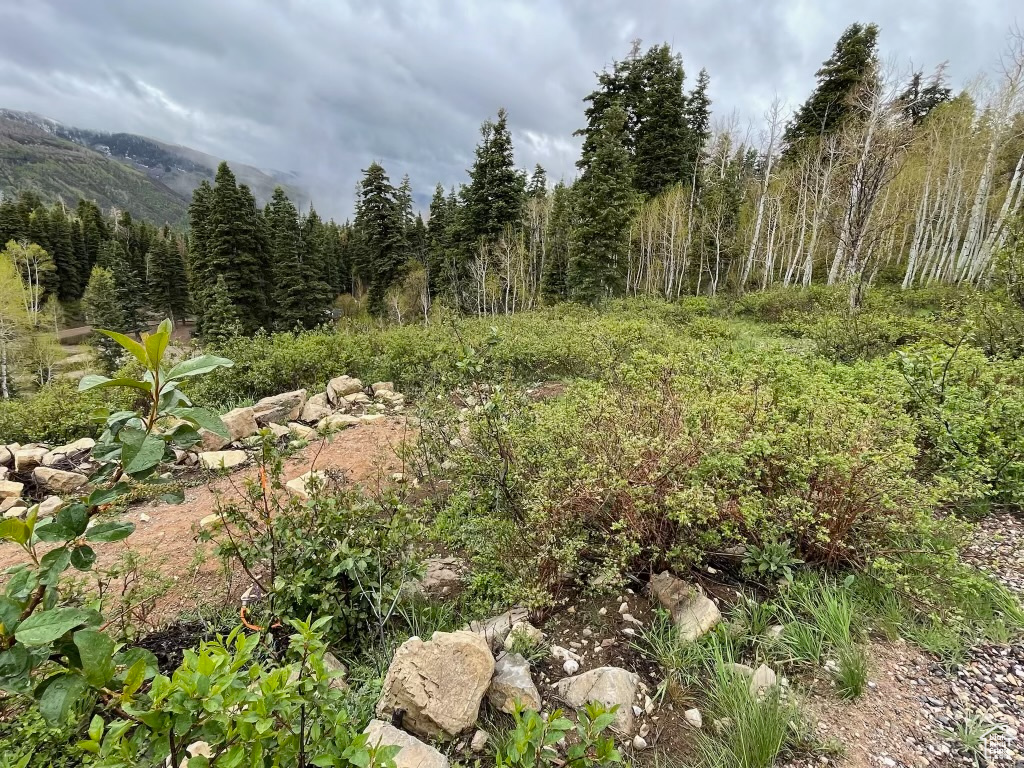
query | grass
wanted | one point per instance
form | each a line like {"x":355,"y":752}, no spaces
{"x":970,"y":736}
{"x":852,"y":673}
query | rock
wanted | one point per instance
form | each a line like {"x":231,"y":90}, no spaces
{"x":356,"y":398}
{"x":513,"y":683}
{"x":382,"y":386}
{"x":570,"y":666}
{"x":441,"y":576}
{"x":413,"y":753}
{"x":298,"y":484}
{"x":336,"y":421}
{"x":439,"y":683}
{"x":639,"y":743}
{"x":740,"y":669}
{"x":480,"y":739}
{"x":611,"y":686}
{"x":693,"y":717}
{"x":240,"y":423}
{"x":50,"y":506}
{"x":387,"y":397}
{"x":221,"y":459}
{"x":496,"y":628}
{"x":693,"y":613}
{"x":341,"y":386}
{"x":58,"y":480}
{"x":525,"y":630}
{"x":762,"y":681}
{"x":280,"y":408}
{"x":78,"y":447}
{"x":9,"y":489}
{"x":279,"y":430}
{"x":210,"y":522}
{"x":26,"y":459}
{"x":369,"y":418}
{"x":4,"y":471}
{"x":301,"y":431}
{"x":316,"y":408}
{"x":13,"y":508}
{"x":6,"y":456}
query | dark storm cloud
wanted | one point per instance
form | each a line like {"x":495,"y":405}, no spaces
{"x":324,"y":87}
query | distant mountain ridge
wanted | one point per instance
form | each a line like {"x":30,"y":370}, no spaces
{"x":147,"y":177}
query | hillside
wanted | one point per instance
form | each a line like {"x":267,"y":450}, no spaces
{"x":147,"y":177}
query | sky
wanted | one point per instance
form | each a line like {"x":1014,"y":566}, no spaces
{"x":324,"y":87}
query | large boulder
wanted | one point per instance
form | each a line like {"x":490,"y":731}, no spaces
{"x":57,"y":480}
{"x":28,"y":458}
{"x":316,"y":408}
{"x":693,"y":612}
{"x":10,"y":489}
{"x":512,"y":684}
{"x":438,"y":684}
{"x":341,"y":386}
{"x":412,"y":752}
{"x":280,"y":408}
{"x":71,"y":451}
{"x":240,"y":423}
{"x":221,"y":459}
{"x":611,"y":686}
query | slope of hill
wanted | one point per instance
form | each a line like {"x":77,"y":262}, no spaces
{"x":147,"y":177}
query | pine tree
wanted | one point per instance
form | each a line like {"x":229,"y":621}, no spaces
{"x":379,"y":229}
{"x":129,"y":285}
{"x":288,"y":285}
{"x":919,"y":99}
{"x":554,"y":281}
{"x":318,"y":259}
{"x":662,"y":145}
{"x":221,"y":319}
{"x":70,"y":279}
{"x":441,"y":277}
{"x":168,"y":282}
{"x":200,"y":271}
{"x":103,"y":310}
{"x":853,"y":61}
{"x":538,"y":186}
{"x":698,"y":118}
{"x":604,"y":207}
{"x":493,"y":199}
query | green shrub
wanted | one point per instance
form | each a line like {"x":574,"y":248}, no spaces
{"x":57,"y":413}
{"x":531,"y":743}
{"x":28,"y":741}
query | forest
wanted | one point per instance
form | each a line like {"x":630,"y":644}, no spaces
{"x":710,"y":456}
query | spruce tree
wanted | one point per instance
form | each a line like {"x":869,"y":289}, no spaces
{"x":919,"y":99}
{"x":852,"y":63}
{"x":439,"y":244}
{"x":379,"y":228}
{"x":288,"y":284}
{"x":538,"y":186}
{"x":221,"y":320}
{"x":698,"y":119}
{"x":129,"y":285}
{"x":493,"y":199}
{"x":604,"y":202}
{"x":168,"y":282}
{"x":554,"y":281}
{"x":200,"y":271}
{"x":318,"y":265}
{"x":70,"y":281}
{"x":662,"y":145}
{"x":103,"y":310}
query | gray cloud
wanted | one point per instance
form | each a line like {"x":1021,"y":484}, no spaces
{"x":322,"y":87}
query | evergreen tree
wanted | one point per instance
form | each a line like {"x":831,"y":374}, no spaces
{"x":853,"y":61}
{"x":200,"y":270}
{"x":221,"y":320}
{"x":129,"y":286}
{"x":698,"y":118}
{"x":318,"y":262}
{"x":538,"y":186}
{"x":380,"y":234}
{"x":919,"y":99}
{"x":663,"y":150}
{"x":604,"y":207}
{"x":288,"y":288}
{"x":103,"y":310}
{"x":440,"y":224}
{"x":94,"y":230}
{"x":493,"y":199}
{"x":554,"y":281}
{"x":168,"y":282}
{"x":70,"y":280}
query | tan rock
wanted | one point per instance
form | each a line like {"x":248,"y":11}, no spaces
{"x":6,"y":456}
{"x":73,"y":450}
{"x":693,"y":612}
{"x":337,"y":421}
{"x":13,"y":507}
{"x":298,"y":485}
{"x":4,"y":472}
{"x":441,"y":576}
{"x":58,"y":480}
{"x":413,"y":753}
{"x":762,"y":681}
{"x":9,"y":489}
{"x":439,"y":683}
{"x":211,"y":522}
{"x":495,"y":629}
{"x":382,"y":386}
{"x":240,"y":423}
{"x":512,"y":684}
{"x":333,"y":667}
{"x":369,"y":418}
{"x":26,"y":459}
{"x":301,"y":431}
{"x":357,"y":398}
{"x":342,"y":385}
{"x":611,"y":686}
{"x":222,"y":459}
{"x":316,"y":408}
{"x":50,"y":506}
{"x":279,"y":430}
{"x":280,"y":408}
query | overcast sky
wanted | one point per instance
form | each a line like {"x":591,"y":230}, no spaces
{"x":322,"y":87}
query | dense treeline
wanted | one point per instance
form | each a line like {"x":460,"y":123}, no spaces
{"x":878,"y":177}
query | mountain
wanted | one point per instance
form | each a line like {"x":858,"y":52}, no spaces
{"x":149,"y":178}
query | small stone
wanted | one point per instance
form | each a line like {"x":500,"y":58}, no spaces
{"x":763,"y":680}
{"x":27,"y":459}
{"x":639,"y":742}
{"x":298,"y":485}
{"x":58,"y":480}
{"x":571,"y":666}
{"x":637,"y":711}
{"x":603,"y":612}
{"x":624,"y":608}
{"x":50,"y":506}
{"x":479,"y":741}
{"x":210,"y":522}
{"x":693,"y":717}
{"x":336,"y":421}
{"x":143,"y":517}
{"x":10,"y":489}
{"x":644,"y":730}
{"x":222,"y":459}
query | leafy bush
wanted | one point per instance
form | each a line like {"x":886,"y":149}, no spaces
{"x":531,"y":743}
{"x":334,"y":554}
{"x":57,"y":413}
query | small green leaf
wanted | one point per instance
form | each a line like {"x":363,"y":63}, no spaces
{"x":93,"y":381}
{"x":74,"y":517}
{"x":177,"y":496}
{"x":129,"y":344}
{"x":197,"y":366}
{"x":139,"y":450}
{"x":46,"y":626}
{"x":83,"y":557}
{"x":96,"y":651}
{"x":102,"y":496}
{"x":9,"y":613}
{"x":133,"y":679}
{"x":59,"y":696}
{"x":107,"y":532}
{"x":14,"y":530}
{"x":53,"y":531}
{"x":15,"y":662}
{"x":53,"y":564}
{"x":203,"y":418}
{"x":96,"y":728}
{"x":156,"y":344}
